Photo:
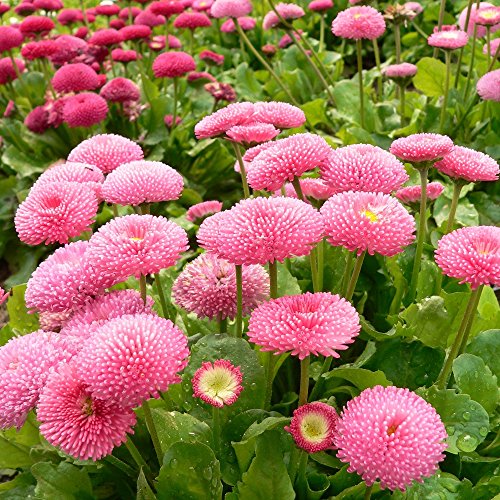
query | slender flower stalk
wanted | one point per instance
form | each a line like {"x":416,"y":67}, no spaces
{"x":488,"y":44}
{"x":239,"y":301}
{"x":174,"y":112}
{"x":243,"y":173}
{"x":397,"y":41}
{"x":461,"y":53}
{"x":376,"y":52}
{"x":161,"y":295}
{"x":355,"y":275}
{"x":447,"y":54}
{"x":304,"y":380}
{"x":152,"y":431}
{"x":359,"y":46}
{"x":216,"y":428}
{"x":472,"y":57}
{"x":271,"y":358}
{"x":461,"y":337}
{"x":402,"y":103}
{"x":321,"y":32}
{"x":142,"y":286}
{"x":347,"y":272}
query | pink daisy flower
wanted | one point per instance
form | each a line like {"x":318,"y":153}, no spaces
{"x":141,"y":182}
{"x":239,"y":113}
{"x":107,"y":10}
{"x":418,"y":148}
{"x":120,"y":90}
{"x":252,"y":134}
{"x":372,"y":222}
{"x":246,"y":23}
{"x":230,"y":8}
{"x":38,"y":50}
{"x":106,"y":37}
{"x":137,"y":244}
{"x":211,"y":57}
{"x":166,"y":8}
{"x":92,"y":315}
{"x":201,"y":210}
{"x":320,"y":5}
{"x":192,"y":20}
{"x":403,"y":70}
{"x":358,"y":23}
{"x":25,"y":364}
{"x":261,"y":230}
{"x":207,"y":287}
{"x":448,"y":39}
{"x":65,"y":280}
{"x":288,"y":11}
{"x":68,"y":47}
{"x":84,"y":110}
{"x":413,"y":194}
{"x":36,"y":25}
{"x":132,"y":358}
{"x":363,"y":167}
{"x":217,"y":383}
{"x":68,"y":17}
{"x":124,"y":56}
{"x":148,"y":18}
{"x":488,"y":16}
{"x":481,"y":30}
{"x":7,"y":71}
{"x":390,"y":434}
{"x":415,"y":7}
{"x":287,"y":159}
{"x":106,"y":151}
{"x":471,"y":254}
{"x":467,"y":164}
{"x":75,"y":420}
{"x":173,"y":65}
{"x":135,"y":32}
{"x":493,"y":47}
{"x":10,"y":38}
{"x":55,"y":212}
{"x":312,"y":323}
{"x":313,"y":427}
{"x":488,"y":86}
{"x":315,"y":188}
{"x":202,"y":5}
{"x":208,"y":232}
{"x":280,"y":114}
{"x":53,"y":322}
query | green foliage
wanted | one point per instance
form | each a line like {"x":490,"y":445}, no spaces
{"x":487,"y":346}
{"x":19,"y":318}
{"x":430,"y":77}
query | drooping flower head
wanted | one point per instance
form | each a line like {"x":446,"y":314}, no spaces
{"x":358,"y":23}
{"x":203,"y":209}
{"x":173,"y":64}
{"x":75,"y":420}
{"x":448,"y":39}
{"x":468,"y":164}
{"x":142,"y":181}
{"x":231,"y":8}
{"x":55,"y":212}
{"x":390,"y":434}
{"x":25,"y":364}
{"x":413,"y":194}
{"x":488,"y":86}
{"x":262,"y":230}
{"x":66,"y":280}
{"x":137,"y":244}
{"x":239,"y":113}
{"x":84,"y":110}
{"x":363,"y":167}
{"x":280,"y":114}
{"x":287,"y":159}
{"x":418,"y":148}
{"x":313,"y":427}
{"x":217,"y":383}
{"x":312,"y":323}
{"x":207,"y":287}
{"x":471,"y":254}
{"x":372,"y":222}
{"x":287,"y":11}
{"x":132,"y":358}
{"x":106,"y":151}
{"x":120,"y":90}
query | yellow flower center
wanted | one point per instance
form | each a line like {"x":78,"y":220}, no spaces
{"x":136,"y":238}
{"x":87,"y":406}
{"x":219,"y":384}
{"x":357,"y":16}
{"x":370,"y":215}
{"x":314,"y":428}
{"x":489,"y":14}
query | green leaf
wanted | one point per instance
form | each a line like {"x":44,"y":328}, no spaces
{"x":287,"y":284}
{"x":144,"y":491}
{"x":342,"y":480}
{"x":239,"y":353}
{"x":431,"y":76}
{"x":20,"y":320}
{"x":267,"y":476}
{"x":190,"y":471}
{"x":487,"y":346}
{"x":360,"y":377}
{"x":346,"y":93}
{"x":474,"y":378}
{"x":173,"y":427}
{"x":247,"y":86}
{"x":23,"y":163}
{"x":61,"y":482}
{"x":440,"y":486}
{"x":15,"y":446}
{"x":315,"y":111}
{"x":20,"y":482}
{"x":488,"y":207}
{"x":466,"y":214}
{"x":466,"y":421}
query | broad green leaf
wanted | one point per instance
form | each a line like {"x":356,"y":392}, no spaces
{"x":22,"y":163}
{"x":144,"y":491}
{"x":315,"y":111}
{"x":16,"y":446}
{"x":440,"y":486}
{"x":247,"y":86}
{"x":267,"y":476}
{"x":466,"y":215}
{"x":317,"y":484}
{"x":61,"y":482}
{"x":342,"y":480}
{"x":486,"y":345}
{"x":20,"y":319}
{"x":360,"y":377}
{"x":488,"y":207}
{"x":173,"y":427}
{"x":430,"y":77}
{"x":466,"y":421}
{"x":474,"y":378}
{"x":346,"y":94}
{"x":287,"y":284}
{"x":19,"y":483}
{"x":190,"y":471}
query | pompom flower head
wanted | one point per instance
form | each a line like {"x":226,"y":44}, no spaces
{"x":313,"y":323}
{"x":239,"y":113}
{"x":413,"y":194}
{"x":142,"y":181}
{"x":363,"y":167}
{"x":84,"y":110}
{"x":313,"y":427}
{"x":372,"y":222}
{"x":358,"y":23}
{"x":287,"y":11}
{"x":400,"y":71}
{"x":419,"y":148}
{"x":132,"y":358}
{"x":136,"y":245}
{"x":120,"y":90}
{"x":10,"y":38}
{"x":203,"y":209}
{"x":280,"y":114}
{"x":471,"y":254}
{"x":448,"y":39}
{"x":106,"y":151}
{"x":54,"y":212}
{"x":75,"y":78}
{"x":390,"y":434}
{"x":218,"y":383}
{"x":25,"y":364}
{"x":231,"y":8}
{"x":488,"y":86}
{"x":173,"y":65}
{"x":207,"y":287}
{"x":467,"y":164}
{"x":78,"y":422}
{"x":252,"y":134}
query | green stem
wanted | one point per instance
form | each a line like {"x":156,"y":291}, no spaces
{"x":125,"y":468}
{"x":347,"y":272}
{"x":135,"y":453}
{"x":360,"y":76}
{"x":320,"y":249}
{"x":161,"y":295}
{"x":457,"y":189}
{"x":243,"y":172}
{"x":222,"y":324}
{"x":321,"y":33}
{"x":468,"y":327}
{"x":304,"y":380}
{"x":376,"y":52}
{"x":239,"y":301}
{"x":152,"y":431}
{"x":318,"y":386}
{"x":142,"y":287}
{"x":460,"y":338}
{"x":273,"y":279}
{"x":472,"y":57}
{"x":402,"y":103}
{"x":340,"y":63}
{"x":264,"y":63}
{"x":397,"y":41}
{"x":216,"y":428}
{"x":355,"y":275}
{"x":461,"y":53}
{"x":191,"y":42}
{"x":368,"y":492}
{"x":495,"y":57}
{"x":447,"y":55}
{"x":422,"y":223}
{"x":301,"y":484}
{"x":174,"y":113}
{"x":442,"y":9}
{"x":269,"y":369}
{"x":488,"y":44}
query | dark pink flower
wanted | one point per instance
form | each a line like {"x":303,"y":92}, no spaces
{"x":120,"y":89}
{"x":173,"y":65}
{"x":75,"y":78}
{"x":84,"y":110}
